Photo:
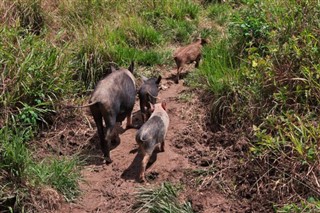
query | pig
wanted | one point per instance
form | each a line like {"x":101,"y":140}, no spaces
{"x":187,"y":55}
{"x":148,"y":93}
{"x":112,"y":101}
{"x":151,"y":135}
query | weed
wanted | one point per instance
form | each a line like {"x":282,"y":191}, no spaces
{"x":62,"y":174}
{"x":162,"y":199}
{"x":185,"y":96}
{"x":290,"y":134}
{"x":309,"y":205}
{"x":15,"y":157}
{"x":32,"y":70}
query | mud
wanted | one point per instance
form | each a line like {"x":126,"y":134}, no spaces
{"x":112,"y":188}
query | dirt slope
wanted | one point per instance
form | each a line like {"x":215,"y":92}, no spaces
{"x":111,"y":188}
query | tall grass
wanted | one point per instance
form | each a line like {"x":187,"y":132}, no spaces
{"x":33,"y":71}
{"x":265,"y":81}
{"x":218,"y":67}
{"x":51,"y":50}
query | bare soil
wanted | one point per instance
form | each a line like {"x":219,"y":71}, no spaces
{"x":112,"y":188}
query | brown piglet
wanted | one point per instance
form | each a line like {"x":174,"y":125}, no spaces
{"x":188,"y":54}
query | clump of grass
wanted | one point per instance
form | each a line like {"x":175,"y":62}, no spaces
{"x":177,"y":20}
{"x":33,"y":70}
{"x":291,"y":132}
{"x":139,"y":34}
{"x":31,"y":16}
{"x":161,"y":199}
{"x":217,"y":66}
{"x":309,"y":205}
{"x":21,"y":172}
{"x":61,"y":174}
{"x":220,"y":13}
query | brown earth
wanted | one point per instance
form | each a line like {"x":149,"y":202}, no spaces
{"x":112,"y":188}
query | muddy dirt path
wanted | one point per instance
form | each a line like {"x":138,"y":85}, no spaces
{"x":111,"y":188}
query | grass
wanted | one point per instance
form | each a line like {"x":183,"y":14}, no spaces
{"x":220,"y":13}
{"x":310,"y":205}
{"x":218,"y":68}
{"x":160,"y":199}
{"x":262,"y":67}
{"x":61,"y":174}
{"x":51,"y":51}
{"x":21,"y":172}
{"x":263,"y":75}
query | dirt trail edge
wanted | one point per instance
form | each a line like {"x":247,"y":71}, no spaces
{"x":111,"y":188}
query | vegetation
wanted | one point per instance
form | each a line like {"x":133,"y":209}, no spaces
{"x":54,"y":51}
{"x":262,"y":68}
{"x":161,"y":199}
{"x":263,"y":75}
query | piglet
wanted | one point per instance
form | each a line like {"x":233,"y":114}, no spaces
{"x":152,"y":134}
{"x":188,"y":54}
{"x":148,"y":94}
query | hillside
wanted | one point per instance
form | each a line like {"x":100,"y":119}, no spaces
{"x":243,"y":133}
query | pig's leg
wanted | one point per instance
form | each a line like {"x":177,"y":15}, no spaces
{"x":149,"y":111}
{"x":144,"y":163}
{"x":178,"y":74}
{"x":110,"y":123}
{"x":129,"y":121}
{"x":198,"y":61}
{"x":162,"y":146}
{"x":97,"y":116}
{"x":142,"y":110}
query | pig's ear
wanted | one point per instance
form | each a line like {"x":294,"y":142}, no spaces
{"x":144,"y":79}
{"x":159,"y":79}
{"x":113,"y":69}
{"x":164,"y":105}
{"x":131,"y":67}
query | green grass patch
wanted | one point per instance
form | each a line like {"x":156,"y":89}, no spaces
{"x":291,"y":131}
{"x":21,"y":172}
{"x":309,"y":205}
{"x":220,"y":13}
{"x":217,"y":67}
{"x":161,"y":199}
{"x":34,"y":70}
{"x":61,"y":174}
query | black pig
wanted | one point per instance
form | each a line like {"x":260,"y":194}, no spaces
{"x":148,"y":93}
{"x":152,"y":134}
{"x":113,"y":101}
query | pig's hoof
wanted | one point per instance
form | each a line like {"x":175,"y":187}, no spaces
{"x":107,"y":160}
{"x":176,"y":81}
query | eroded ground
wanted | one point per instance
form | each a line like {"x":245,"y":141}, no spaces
{"x":111,"y":188}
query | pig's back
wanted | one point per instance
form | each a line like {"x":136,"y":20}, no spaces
{"x":116,"y":86}
{"x":148,"y":90}
{"x":151,"y":133}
